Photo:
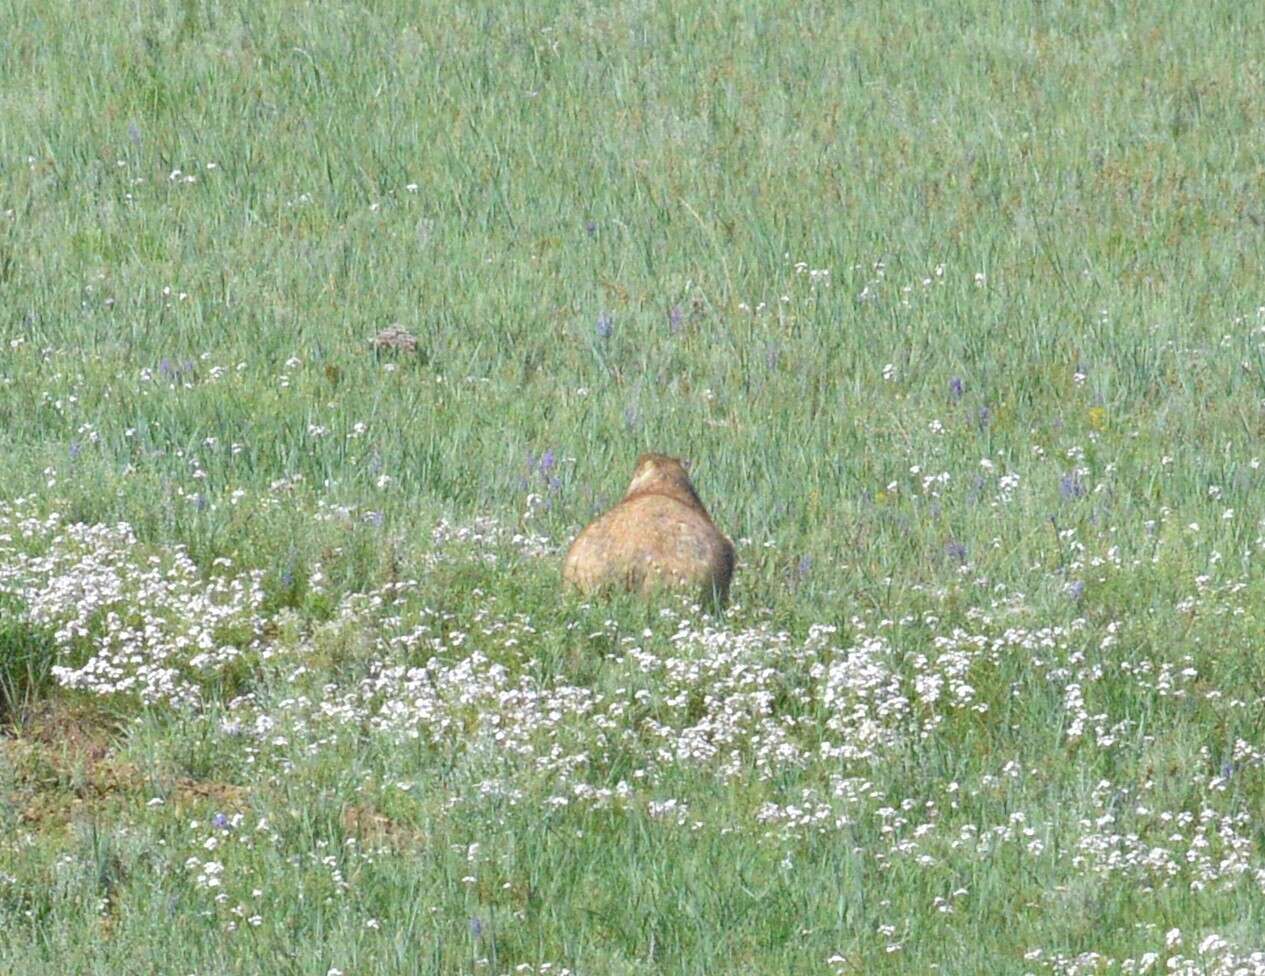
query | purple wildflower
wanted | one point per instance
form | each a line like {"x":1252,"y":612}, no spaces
{"x":1071,"y":487}
{"x":676,"y":318}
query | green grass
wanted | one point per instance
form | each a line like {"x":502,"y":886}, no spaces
{"x":1042,"y":230}
{"x":26,"y":660}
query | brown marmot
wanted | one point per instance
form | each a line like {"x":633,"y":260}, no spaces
{"x":659,"y":536}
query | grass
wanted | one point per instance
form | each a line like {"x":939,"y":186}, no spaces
{"x":956,"y":311}
{"x":26,"y":662}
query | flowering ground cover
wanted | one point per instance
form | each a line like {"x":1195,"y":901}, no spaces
{"x":326,"y":327}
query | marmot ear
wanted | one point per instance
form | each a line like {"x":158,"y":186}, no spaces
{"x":686,"y":464}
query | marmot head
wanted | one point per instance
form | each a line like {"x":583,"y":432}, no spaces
{"x":663,"y":475}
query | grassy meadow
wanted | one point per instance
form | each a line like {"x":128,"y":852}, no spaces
{"x":957,"y":310}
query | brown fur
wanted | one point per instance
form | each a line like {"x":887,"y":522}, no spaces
{"x":659,"y":536}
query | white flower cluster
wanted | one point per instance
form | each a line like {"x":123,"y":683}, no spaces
{"x":127,"y":618}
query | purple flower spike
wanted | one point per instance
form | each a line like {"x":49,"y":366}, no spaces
{"x":1071,"y":487}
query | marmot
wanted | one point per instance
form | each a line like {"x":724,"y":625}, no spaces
{"x":659,"y":536}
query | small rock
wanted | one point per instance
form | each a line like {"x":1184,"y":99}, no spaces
{"x":396,"y":338}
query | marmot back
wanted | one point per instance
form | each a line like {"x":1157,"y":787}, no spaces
{"x":659,"y":536}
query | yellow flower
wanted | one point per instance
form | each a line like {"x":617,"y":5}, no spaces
{"x":1098,"y":418}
